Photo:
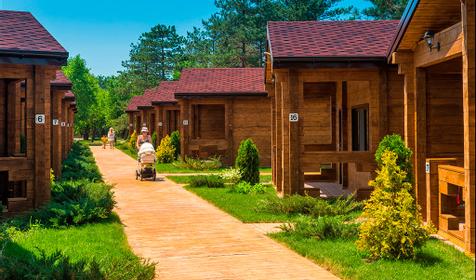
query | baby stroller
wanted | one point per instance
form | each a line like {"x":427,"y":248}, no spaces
{"x":146,"y":162}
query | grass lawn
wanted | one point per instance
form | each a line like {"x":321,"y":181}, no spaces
{"x":104,"y":242}
{"x":184,"y":179}
{"x":436,"y":260}
{"x":242,"y":207}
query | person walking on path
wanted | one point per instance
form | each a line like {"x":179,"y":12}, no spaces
{"x":143,"y":137}
{"x":111,"y":137}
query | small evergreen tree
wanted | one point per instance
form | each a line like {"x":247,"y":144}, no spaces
{"x":247,"y":161}
{"x":165,"y":152}
{"x":175,"y":138}
{"x":393,"y":226}
{"x":154,"y":139}
{"x":396,"y":144}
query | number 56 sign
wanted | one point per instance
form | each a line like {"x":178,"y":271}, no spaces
{"x":293,"y":117}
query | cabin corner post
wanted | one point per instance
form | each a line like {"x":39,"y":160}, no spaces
{"x":42,"y":124}
{"x":295,"y":100}
{"x":130,"y":124}
{"x":278,"y":139}
{"x":229,"y":131}
{"x":158,"y":128}
{"x":468,"y":26}
{"x":270,"y":90}
{"x":420,"y":124}
{"x":184,"y":127}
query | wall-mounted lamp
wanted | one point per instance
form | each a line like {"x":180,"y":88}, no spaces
{"x":429,"y":36}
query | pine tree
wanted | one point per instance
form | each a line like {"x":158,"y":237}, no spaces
{"x":386,"y":9}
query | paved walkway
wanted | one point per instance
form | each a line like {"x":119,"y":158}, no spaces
{"x":190,"y":238}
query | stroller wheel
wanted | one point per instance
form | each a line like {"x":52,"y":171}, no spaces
{"x":137,"y":175}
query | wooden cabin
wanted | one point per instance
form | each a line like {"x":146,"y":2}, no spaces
{"x":60,"y":137}
{"x":67,"y":122}
{"x":29,"y":55}
{"x":146,"y":110}
{"x":333,"y":97}
{"x":434,"y":51}
{"x":167,"y":110}
{"x":221,"y":107}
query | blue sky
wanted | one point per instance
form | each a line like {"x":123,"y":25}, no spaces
{"x":101,"y":31}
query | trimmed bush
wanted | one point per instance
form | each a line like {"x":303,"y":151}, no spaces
{"x":132,"y":140}
{"x":231,"y":176}
{"x":247,"y":188}
{"x":175,"y":138}
{"x":165,"y":151}
{"x":80,"y":164}
{"x":199,"y":164}
{"x":324,"y":227}
{"x":247,"y":161}
{"x":393,"y":227}
{"x":154,"y":139}
{"x":395,"y":143}
{"x":210,"y":181}
{"x":307,"y":205}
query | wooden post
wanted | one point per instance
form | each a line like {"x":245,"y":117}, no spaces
{"x":229,"y":130}
{"x":468,"y":18}
{"x":278,"y":134}
{"x":184,"y":129}
{"x":42,"y":137}
{"x":270,"y":89}
{"x":294,"y":98}
{"x":420,"y":137}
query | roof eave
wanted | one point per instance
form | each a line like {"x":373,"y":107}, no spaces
{"x":164,"y":102}
{"x":11,"y":56}
{"x":316,"y":59}
{"x":219,"y":94}
{"x":402,"y":27}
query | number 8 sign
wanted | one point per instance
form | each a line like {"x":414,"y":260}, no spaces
{"x":40,"y":118}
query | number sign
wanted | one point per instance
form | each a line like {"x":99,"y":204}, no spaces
{"x":40,"y":118}
{"x":185,"y":122}
{"x":293,"y":117}
{"x":160,"y":123}
{"x":55,"y":122}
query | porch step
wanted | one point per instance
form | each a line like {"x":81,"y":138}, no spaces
{"x":449,"y":222}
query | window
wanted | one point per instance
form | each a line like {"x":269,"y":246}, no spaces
{"x":360,"y":130}
{"x":17,"y":189}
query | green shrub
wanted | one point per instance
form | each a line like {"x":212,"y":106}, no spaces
{"x":395,"y":143}
{"x":132,"y":141}
{"x":210,"y":181}
{"x":307,"y":205}
{"x":247,"y":161}
{"x":175,"y":138}
{"x":165,"y":151}
{"x":80,"y":164}
{"x":324,"y":227}
{"x":199,"y":164}
{"x":393,"y":226}
{"x":231,"y":176}
{"x":247,"y":188}
{"x":154,"y":139}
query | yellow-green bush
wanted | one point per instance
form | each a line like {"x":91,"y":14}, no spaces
{"x":166,"y":151}
{"x":393,"y":225}
{"x":132,"y":140}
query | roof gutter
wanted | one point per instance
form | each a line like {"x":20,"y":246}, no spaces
{"x":317,"y":59}
{"x":402,"y":27}
{"x":33,"y":57}
{"x":164,"y":102}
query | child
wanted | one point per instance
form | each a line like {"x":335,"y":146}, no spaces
{"x":104,"y":141}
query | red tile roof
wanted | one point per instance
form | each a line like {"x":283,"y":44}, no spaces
{"x":69,"y":95}
{"x":61,"y":79}
{"x":164,"y":93}
{"x":221,"y":81}
{"x":132,"y":106}
{"x":21,"y":32}
{"x":330,"y":39}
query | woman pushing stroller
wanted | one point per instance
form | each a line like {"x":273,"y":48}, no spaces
{"x":146,"y":156}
